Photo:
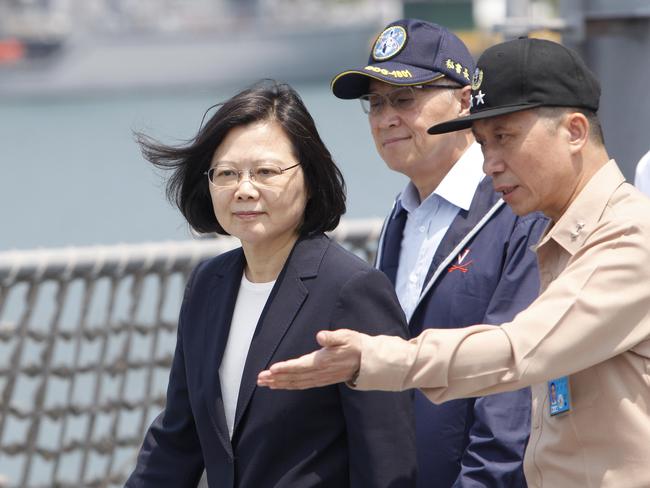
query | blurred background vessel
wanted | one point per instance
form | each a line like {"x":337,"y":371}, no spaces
{"x":70,"y":48}
{"x":59,"y":47}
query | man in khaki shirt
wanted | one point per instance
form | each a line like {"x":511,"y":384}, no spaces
{"x":587,"y":336}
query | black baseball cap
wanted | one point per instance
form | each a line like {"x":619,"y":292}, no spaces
{"x":408,"y":52}
{"x":526,"y":73}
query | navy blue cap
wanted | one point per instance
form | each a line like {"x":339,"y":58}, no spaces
{"x":409,"y":52}
{"x":526,"y":73}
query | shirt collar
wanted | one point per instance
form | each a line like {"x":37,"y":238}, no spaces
{"x":409,"y":199}
{"x":457,"y":187}
{"x":579,"y":220}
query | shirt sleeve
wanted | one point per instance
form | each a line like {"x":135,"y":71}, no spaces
{"x":583,"y":318}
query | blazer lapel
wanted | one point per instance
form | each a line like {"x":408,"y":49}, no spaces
{"x":223,"y":295}
{"x":281,"y":308}
{"x":463,"y":223}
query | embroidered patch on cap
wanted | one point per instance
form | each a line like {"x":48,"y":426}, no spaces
{"x":477,"y":79}
{"x":389,"y":43}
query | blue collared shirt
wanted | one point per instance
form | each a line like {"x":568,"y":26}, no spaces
{"x":428,"y":221}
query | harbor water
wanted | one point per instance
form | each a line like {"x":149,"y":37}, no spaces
{"x":72,"y":174}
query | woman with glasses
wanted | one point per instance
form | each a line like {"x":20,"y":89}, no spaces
{"x":258,"y":170}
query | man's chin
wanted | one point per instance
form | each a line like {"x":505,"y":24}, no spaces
{"x":521,"y":210}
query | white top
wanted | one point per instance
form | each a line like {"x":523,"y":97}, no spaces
{"x":428,"y":222}
{"x":642,"y":176}
{"x":250,"y":302}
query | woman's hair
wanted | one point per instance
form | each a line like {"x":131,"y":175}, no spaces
{"x":265,"y":101}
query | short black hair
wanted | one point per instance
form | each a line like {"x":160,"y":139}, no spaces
{"x":188,"y":188}
{"x":595,"y":128}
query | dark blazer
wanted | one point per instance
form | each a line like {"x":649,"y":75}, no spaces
{"x":324,"y":437}
{"x":476,"y":442}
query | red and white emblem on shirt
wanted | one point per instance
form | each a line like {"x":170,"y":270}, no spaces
{"x":462,"y":264}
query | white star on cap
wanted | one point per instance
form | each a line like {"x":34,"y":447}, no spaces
{"x":479,"y":98}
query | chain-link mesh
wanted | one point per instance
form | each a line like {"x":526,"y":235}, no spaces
{"x":86,"y":342}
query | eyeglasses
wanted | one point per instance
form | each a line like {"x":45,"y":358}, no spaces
{"x":401,"y":99}
{"x":267,"y":174}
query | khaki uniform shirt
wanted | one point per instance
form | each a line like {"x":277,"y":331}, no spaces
{"x":591,"y":322}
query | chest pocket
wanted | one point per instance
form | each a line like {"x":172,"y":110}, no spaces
{"x":461,"y":298}
{"x":470,"y":285}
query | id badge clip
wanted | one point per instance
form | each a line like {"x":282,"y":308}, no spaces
{"x":559,"y":395}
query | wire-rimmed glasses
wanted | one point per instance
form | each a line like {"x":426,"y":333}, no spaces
{"x":227,"y":176}
{"x":401,"y":99}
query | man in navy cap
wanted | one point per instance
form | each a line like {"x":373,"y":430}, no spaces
{"x":456,"y":254}
{"x":587,"y":336}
